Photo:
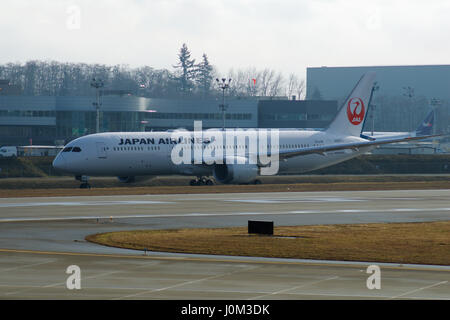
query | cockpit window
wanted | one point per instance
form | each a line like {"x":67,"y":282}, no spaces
{"x":76,"y":149}
{"x":67,"y":149}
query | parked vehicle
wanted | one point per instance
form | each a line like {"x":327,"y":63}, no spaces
{"x":8,"y":151}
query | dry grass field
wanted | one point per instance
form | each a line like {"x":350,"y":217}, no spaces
{"x":409,"y":243}
{"x":44,"y":187}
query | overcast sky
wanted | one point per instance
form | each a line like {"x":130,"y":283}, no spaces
{"x":284,"y":35}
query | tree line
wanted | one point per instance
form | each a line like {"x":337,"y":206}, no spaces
{"x":187,"y":79}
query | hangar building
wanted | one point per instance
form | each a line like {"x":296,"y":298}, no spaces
{"x":403,"y":97}
{"x":56,"y":120}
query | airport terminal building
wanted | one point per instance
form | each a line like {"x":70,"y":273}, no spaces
{"x":56,"y":120}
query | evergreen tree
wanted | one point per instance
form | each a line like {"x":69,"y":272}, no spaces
{"x":204,"y":76}
{"x":187,"y":70}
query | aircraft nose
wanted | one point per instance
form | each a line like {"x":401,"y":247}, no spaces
{"x":59,"y":162}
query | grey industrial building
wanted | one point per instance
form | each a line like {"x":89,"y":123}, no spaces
{"x":59,"y":119}
{"x":403,"y":97}
{"x":296,"y":113}
{"x":431,"y":81}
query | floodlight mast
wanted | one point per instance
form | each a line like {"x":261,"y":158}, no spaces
{"x":224,"y":85}
{"x":97,"y":84}
{"x":375,"y":87}
{"x":409,"y":93}
{"x":435,"y":103}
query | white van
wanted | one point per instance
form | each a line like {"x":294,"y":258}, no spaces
{"x":8,"y":152}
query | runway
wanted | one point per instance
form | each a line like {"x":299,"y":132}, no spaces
{"x":41,"y":237}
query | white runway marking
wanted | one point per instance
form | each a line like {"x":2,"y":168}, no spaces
{"x":74,"y":204}
{"x":295,"y":200}
{"x":83,"y":278}
{"x":145,"y":202}
{"x":62,"y":284}
{"x":217,"y":214}
{"x":375,"y":211}
{"x":420,"y":289}
{"x":186,"y":283}
{"x":293,"y":288}
{"x":27,"y":265}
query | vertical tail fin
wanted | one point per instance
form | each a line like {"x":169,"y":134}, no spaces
{"x":351,"y":116}
{"x":425,"y":128}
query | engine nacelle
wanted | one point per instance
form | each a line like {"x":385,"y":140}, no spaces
{"x":127,"y":179}
{"x":235,"y":173}
{"x":132,"y":179}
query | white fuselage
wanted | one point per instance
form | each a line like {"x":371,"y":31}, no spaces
{"x":149,"y":153}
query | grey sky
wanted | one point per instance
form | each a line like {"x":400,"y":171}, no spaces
{"x":285,"y":35}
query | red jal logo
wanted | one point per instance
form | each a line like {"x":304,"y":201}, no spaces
{"x":355,"y":111}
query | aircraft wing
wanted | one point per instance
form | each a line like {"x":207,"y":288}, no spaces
{"x":322,"y":150}
{"x":352,"y":146}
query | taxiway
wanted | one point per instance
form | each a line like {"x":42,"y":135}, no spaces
{"x":41,"y":237}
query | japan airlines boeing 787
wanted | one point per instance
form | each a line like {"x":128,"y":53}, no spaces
{"x":231,"y":156}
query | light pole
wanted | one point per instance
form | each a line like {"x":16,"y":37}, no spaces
{"x":372,"y":106}
{"x":97,"y":84}
{"x":225,"y":84}
{"x":409,"y":93}
{"x":435,"y":103}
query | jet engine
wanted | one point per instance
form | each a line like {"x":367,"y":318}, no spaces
{"x":132,"y":179}
{"x":235,"y":173}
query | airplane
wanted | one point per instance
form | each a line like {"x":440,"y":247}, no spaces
{"x":425,"y":128}
{"x":130,"y":155}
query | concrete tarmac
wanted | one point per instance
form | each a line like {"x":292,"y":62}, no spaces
{"x":41,"y":237}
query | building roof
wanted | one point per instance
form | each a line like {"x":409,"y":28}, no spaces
{"x":430,"y":81}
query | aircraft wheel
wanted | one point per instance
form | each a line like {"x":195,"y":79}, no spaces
{"x":85,"y":185}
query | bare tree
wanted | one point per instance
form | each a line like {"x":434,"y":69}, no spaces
{"x":300,"y":89}
{"x":242,"y":83}
{"x":276,"y":85}
{"x":56,"y":78}
{"x":291,"y":85}
{"x":265,"y":81}
{"x":295,"y":87}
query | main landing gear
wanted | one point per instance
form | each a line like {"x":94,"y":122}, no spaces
{"x":201,"y":181}
{"x":84,"y":182}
